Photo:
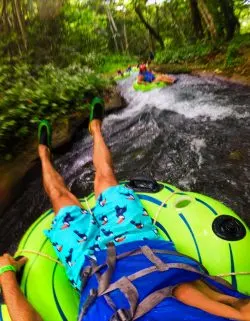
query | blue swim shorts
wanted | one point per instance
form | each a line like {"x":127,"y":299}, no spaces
{"x":118,"y":217}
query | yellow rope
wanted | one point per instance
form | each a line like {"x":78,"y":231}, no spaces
{"x":89,"y":209}
{"x":161,"y":206}
{"x":232,"y":273}
{"x":20,"y":252}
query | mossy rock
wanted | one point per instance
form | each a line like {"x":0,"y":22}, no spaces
{"x":236,"y":155}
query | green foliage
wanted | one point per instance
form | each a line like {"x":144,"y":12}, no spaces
{"x":232,"y":56}
{"x":224,"y":56}
{"x":233,"y":53}
{"x":113,"y":62}
{"x":242,"y":11}
{"x":85,"y":29}
{"x":54,"y":92}
{"x":186,"y":53}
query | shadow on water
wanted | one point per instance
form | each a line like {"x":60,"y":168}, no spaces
{"x":194,"y":134}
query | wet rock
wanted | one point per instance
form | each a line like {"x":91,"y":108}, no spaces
{"x":220,"y":75}
{"x":113,"y":100}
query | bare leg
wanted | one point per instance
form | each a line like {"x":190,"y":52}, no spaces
{"x":164,"y":78}
{"x":102,"y":160}
{"x":214,"y":295}
{"x":54,"y":184}
{"x":197,"y":295}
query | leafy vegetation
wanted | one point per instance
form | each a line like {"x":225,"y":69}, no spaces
{"x":49,"y":92}
{"x":223,"y":55}
{"x":187,"y":53}
{"x":233,"y":55}
{"x":114,"y":62}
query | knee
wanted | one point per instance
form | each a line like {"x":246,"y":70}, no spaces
{"x":56,"y":193}
{"x":105,"y":174}
{"x":182,"y":291}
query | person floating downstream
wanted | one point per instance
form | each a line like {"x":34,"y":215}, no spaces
{"x":146,"y":76}
{"x":119,"y":73}
{"x":115,"y":257}
{"x":129,"y":69}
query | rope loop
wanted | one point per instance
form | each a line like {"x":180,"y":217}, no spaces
{"x":161,"y":206}
{"x":89,"y":209}
{"x":46,"y":256}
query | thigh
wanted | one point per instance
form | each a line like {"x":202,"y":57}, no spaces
{"x":72,"y":235}
{"x":61,"y":197}
{"x":122,"y":217}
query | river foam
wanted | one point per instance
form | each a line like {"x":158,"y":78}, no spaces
{"x":190,"y":96}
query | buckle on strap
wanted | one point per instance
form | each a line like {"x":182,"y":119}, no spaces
{"x":89,"y":301}
{"x":122,"y":315}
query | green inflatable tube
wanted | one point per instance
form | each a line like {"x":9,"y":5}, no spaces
{"x":149,"y":86}
{"x":198,"y":225}
{"x":135,"y":69}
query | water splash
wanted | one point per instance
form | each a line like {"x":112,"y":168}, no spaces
{"x":190,"y":96}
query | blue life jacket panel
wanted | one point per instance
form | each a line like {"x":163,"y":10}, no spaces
{"x":147,"y":76}
{"x":169,"y":308}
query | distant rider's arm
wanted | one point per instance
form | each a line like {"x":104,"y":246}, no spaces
{"x":18,"y":306}
{"x":140,"y":80}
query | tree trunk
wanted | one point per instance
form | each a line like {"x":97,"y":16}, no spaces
{"x":231,"y":21}
{"x":208,"y":19}
{"x":151,"y":41}
{"x":115,"y":29}
{"x":3,"y":13}
{"x":125,"y":36}
{"x":6,"y":26}
{"x":196,"y":19}
{"x":157,"y":17}
{"x":152,"y":31}
{"x":3,"y":16}
{"x":20,"y":21}
{"x":113,"y":32}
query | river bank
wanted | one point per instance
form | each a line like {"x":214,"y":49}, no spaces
{"x":12,"y":171}
{"x":213,"y":65}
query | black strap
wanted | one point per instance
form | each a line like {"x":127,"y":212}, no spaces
{"x":89,"y":301}
{"x":105,"y":278}
{"x":122,"y":315}
{"x":139,"y":251}
{"x":130,"y":292}
{"x":152,"y":300}
{"x":153,"y":258}
{"x":85,"y":275}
